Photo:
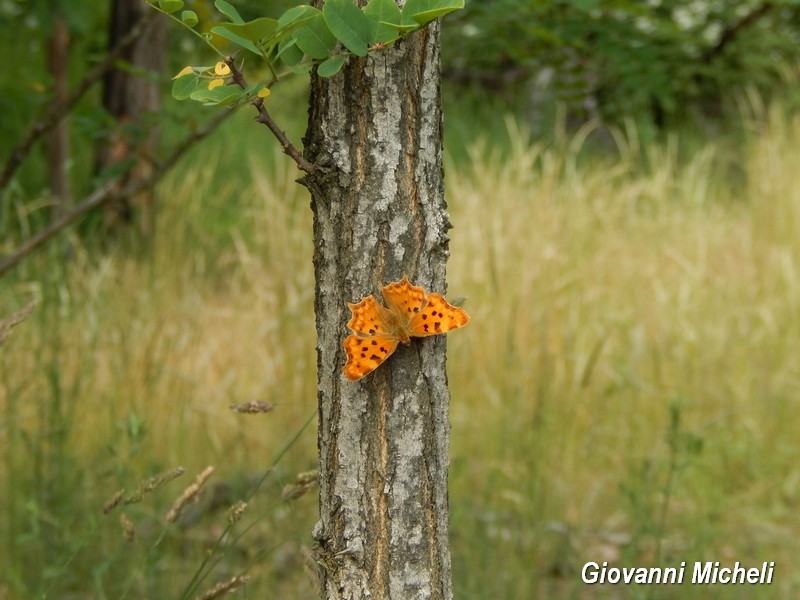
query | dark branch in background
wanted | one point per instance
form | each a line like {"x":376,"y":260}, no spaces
{"x":56,"y":113}
{"x":263,"y":117}
{"x":110,"y":190}
{"x":506,"y":75}
{"x":732,"y":30}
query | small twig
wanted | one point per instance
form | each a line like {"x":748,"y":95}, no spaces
{"x":57,"y":112}
{"x":110,"y":190}
{"x":263,"y":117}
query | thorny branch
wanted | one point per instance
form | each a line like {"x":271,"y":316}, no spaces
{"x":263,"y":117}
{"x":111,"y":190}
{"x":57,"y":112}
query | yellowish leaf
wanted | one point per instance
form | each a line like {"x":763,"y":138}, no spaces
{"x":264,"y":92}
{"x":222,"y":69}
{"x":184,"y":71}
{"x":215,"y":83}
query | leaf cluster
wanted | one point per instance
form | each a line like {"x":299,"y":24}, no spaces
{"x":301,"y":38}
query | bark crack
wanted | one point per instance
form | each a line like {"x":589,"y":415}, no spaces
{"x":382,"y":549}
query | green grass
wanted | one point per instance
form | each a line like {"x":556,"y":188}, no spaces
{"x":627,"y":389}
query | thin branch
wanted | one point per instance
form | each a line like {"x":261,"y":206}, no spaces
{"x":58,"y":111}
{"x":102,"y":194}
{"x":263,"y":117}
{"x":110,"y":190}
{"x":732,"y":30}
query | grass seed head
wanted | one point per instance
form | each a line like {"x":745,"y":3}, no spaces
{"x":189,"y":495}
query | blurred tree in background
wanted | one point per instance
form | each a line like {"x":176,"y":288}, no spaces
{"x":659,"y":61}
{"x":131,"y":100}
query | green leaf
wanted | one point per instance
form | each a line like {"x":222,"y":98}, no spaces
{"x":402,"y":28}
{"x":348,"y":23}
{"x":425,"y":11}
{"x":289,"y":52}
{"x":315,"y":39}
{"x":183,"y":87}
{"x":229,"y":11}
{"x":254,"y":31}
{"x":170,"y":6}
{"x":332,"y":66}
{"x":218,"y":96}
{"x":236,"y":39}
{"x":292,"y":20}
{"x":189,"y":18}
{"x":302,"y":13}
{"x":302,"y":68}
{"x":381,"y":13}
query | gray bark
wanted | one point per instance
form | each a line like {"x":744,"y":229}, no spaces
{"x":379,"y":213}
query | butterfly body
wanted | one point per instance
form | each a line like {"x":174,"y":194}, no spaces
{"x":378,"y":330}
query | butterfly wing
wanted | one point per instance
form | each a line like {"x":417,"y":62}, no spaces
{"x":365,"y":354}
{"x":437,"y":315}
{"x":369,"y":317}
{"x":404,"y":299}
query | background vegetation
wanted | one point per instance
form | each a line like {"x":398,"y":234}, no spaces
{"x":627,"y":390}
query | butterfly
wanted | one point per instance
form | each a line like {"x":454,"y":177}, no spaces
{"x":378,"y":330}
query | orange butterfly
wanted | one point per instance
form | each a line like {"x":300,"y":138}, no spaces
{"x":378,"y":330}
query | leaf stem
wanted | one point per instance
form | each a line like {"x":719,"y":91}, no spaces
{"x":202,"y":37}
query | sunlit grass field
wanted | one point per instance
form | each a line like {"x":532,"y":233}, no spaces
{"x":628,"y":389}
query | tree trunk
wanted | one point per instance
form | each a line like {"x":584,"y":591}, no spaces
{"x":133,"y":98}
{"x":58,"y":153}
{"x":379,"y":212}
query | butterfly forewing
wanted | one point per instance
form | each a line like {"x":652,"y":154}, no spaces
{"x":404,"y":299}
{"x":365,"y":354}
{"x":437,"y":316}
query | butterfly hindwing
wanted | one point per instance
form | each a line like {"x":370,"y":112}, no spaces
{"x":365,"y":354}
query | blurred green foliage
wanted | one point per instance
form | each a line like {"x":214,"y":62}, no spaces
{"x":662,"y":61}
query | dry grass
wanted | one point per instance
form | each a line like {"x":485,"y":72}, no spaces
{"x":605,"y":301}
{"x":627,"y":389}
